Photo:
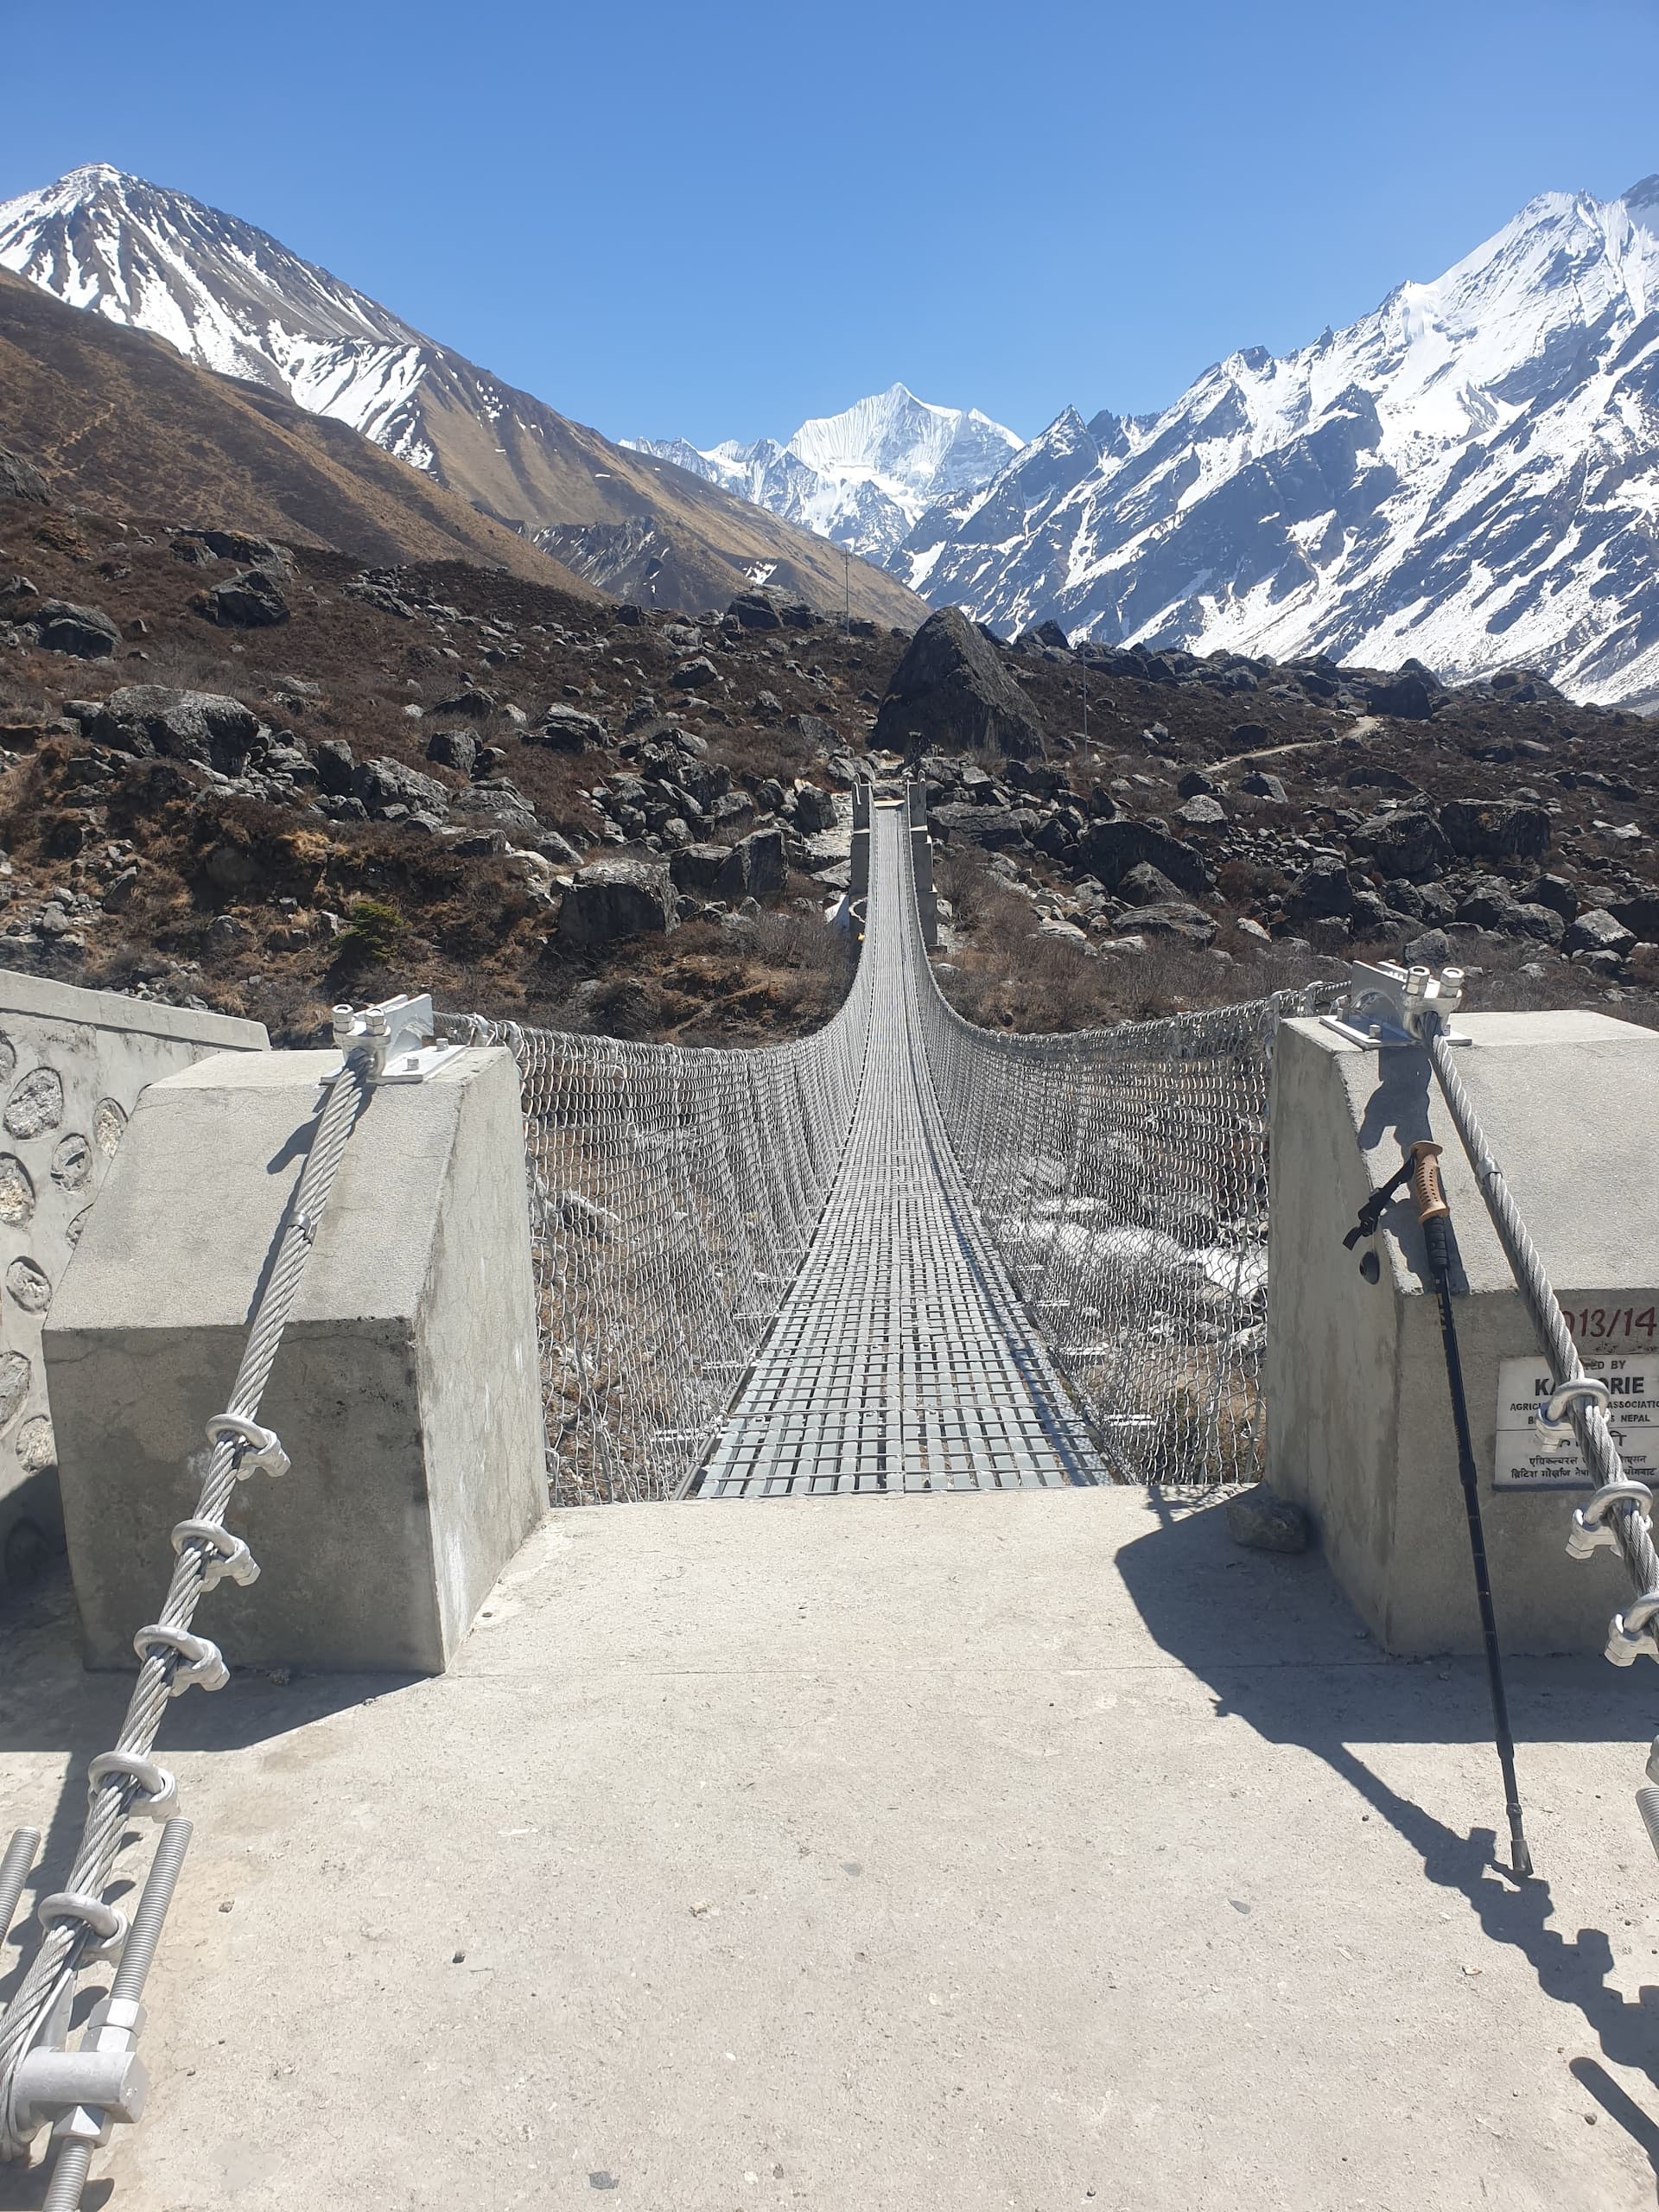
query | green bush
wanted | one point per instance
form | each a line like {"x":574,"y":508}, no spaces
{"x":371,"y":935}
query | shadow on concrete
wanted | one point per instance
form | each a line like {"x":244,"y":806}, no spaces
{"x":50,"y":1704}
{"x":1315,"y":1680}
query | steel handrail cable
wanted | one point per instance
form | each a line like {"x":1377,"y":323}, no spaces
{"x":114,"y":1794}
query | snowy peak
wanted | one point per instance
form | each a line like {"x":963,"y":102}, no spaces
{"x":1469,"y":475}
{"x":862,"y":477}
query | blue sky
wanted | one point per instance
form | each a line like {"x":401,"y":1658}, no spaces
{"x":716,"y":219}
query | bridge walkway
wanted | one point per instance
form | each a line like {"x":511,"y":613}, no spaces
{"x":901,"y":1359}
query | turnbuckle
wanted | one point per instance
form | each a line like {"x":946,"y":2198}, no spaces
{"x":1589,"y":1532}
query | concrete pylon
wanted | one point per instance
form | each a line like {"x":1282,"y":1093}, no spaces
{"x":1359,"y":1418}
{"x":406,"y":1391}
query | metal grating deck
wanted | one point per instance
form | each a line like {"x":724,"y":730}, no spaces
{"x":901,"y":1359}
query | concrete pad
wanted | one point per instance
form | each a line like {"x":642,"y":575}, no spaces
{"x":1033,"y":1849}
{"x":406,"y":1390}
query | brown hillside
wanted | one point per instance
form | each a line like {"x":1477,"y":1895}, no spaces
{"x":115,"y":418}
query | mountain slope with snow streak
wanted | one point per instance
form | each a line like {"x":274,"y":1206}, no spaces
{"x":1469,"y":475}
{"x":862,"y":477}
{"x":233,"y":298}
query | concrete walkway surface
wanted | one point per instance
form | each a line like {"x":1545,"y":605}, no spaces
{"x":1030,"y":1850}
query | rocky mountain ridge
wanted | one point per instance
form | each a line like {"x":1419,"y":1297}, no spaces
{"x":236,"y":301}
{"x":1469,"y":476}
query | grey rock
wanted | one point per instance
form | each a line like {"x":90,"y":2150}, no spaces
{"x":1496,"y":829}
{"x":1108,"y":850}
{"x":21,"y":480}
{"x":1432,"y":949}
{"x":1260,"y":784}
{"x":1408,"y":842}
{"x":205,"y":726}
{"x":453,"y":749}
{"x":951,"y":691}
{"x":613,"y":899}
{"x":333,"y":759}
{"x":1320,"y":892}
{"x":248,"y":602}
{"x":382,"y":784}
{"x":1262,"y":1521}
{"x":765,"y":864}
{"x":814,"y":809}
{"x":85,"y":631}
{"x":1598,"y":931}
{"x":566,"y":729}
{"x":1203,"y":813}
{"x":756,"y":610}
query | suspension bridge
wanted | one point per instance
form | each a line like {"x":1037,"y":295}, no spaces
{"x":1028,"y":1850}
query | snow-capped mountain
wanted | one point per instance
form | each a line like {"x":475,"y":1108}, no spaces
{"x":862,"y":477}
{"x":233,"y":298}
{"x":1469,"y":475}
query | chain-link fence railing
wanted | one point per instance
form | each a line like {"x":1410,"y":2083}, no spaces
{"x":674,"y":1190}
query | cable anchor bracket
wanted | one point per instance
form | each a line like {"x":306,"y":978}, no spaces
{"x":1387,"y":1004}
{"x":399,"y":1036}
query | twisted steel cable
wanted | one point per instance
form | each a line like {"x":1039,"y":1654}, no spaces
{"x":58,"y":1955}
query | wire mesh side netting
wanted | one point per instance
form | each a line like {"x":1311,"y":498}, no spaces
{"x":673,"y":1191}
{"x":1122,"y":1176}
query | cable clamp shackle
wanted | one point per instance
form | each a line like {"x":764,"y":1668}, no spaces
{"x":204,"y":1662}
{"x":226,"y":1559}
{"x":1631,"y":1634}
{"x":159,"y":1785}
{"x":107,"y":1922}
{"x":1553,"y":1420}
{"x":1590,"y":1531}
{"x":262,"y":1451}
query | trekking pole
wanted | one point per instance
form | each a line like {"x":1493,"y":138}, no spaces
{"x":1428,"y":1194}
{"x":1422,"y":1172}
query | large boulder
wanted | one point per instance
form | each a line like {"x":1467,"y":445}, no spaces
{"x":205,"y":726}
{"x":756,"y":610}
{"x":453,"y":749}
{"x":1406,"y":842}
{"x":951,"y":693}
{"x":86,"y":632}
{"x":1409,"y":693}
{"x":766,"y":864}
{"x":383,"y":784}
{"x":567,"y":730}
{"x":615,"y":898}
{"x":1109,"y":849}
{"x":1321,"y":892}
{"x":814,"y":809}
{"x":21,"y":480}
{"x":249,"y":602}
{"x":1496,"y":828}
{"x":711,"y":871}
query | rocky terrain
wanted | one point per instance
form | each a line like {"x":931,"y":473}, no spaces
{"x":264,"y":779}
